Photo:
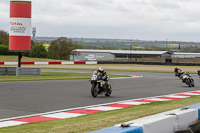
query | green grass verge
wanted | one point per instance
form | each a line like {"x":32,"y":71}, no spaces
{"x":122,"y":70}
{"x":53,"y":76}
{"x":14,"y":58}
{"x":84,"y":124}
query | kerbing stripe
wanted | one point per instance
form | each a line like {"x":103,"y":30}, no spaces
{"x":185,"y":95}
{"x":63,"y":115}
{"x":196,"y":92}
{"x":120,"y":105}
{"x":146,"y":101}
{"x":132,"y":76}
{"x":174,"y":96}
{"x":134,"y":103}
{"x":10,"y":123}
{"x":105,"y":108}
{"x":191,"y":94}
{"x":35,"y":119}
{"x":84,"y":111}
{"x":159,"y":99}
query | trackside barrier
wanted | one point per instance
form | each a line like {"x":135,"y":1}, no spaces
{"x":10,"y":63}
{"x":174,"y":121}
{"x":194,"y":106}
{"x":20,"y":71}
{"x":7,"y":70}
{"x":41,"y":63}
{"x":23,"y":71}
{"x":91,"y":62}
{"x":194,"y":128}
{"x":185,"y":131}
{"x":49,"y":63}
{"x":115,"y":129}
{"x":67,"y":63}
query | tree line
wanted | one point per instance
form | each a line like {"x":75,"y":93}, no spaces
{"x":187,"y":49}
{"x":62,"y":47}
{"x":58,"y":49}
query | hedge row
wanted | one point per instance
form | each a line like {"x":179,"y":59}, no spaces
{"x":4,"y":50}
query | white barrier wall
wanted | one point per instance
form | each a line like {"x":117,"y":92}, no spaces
{"x":41,"y":63}
{"x":91,"y":62}
{"x":167,"y":122}
{"x":67,"y":63}
{"x":11,"y":63}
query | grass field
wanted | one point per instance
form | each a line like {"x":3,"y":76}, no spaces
{"x":122,"y":70}
{"x":128,"y":68}
{"x":14,"y":58}
{"x":52,"y":76}
{"x":84,"y":124}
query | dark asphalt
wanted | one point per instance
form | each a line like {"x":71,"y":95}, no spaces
{"x":31,"y":97}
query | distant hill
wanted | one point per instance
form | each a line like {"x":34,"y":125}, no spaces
{"x":121,"y":43}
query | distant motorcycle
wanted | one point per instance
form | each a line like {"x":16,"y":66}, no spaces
{"x":188,"y":80}
{"x":99,"y":86}
{"x":198,"y":72}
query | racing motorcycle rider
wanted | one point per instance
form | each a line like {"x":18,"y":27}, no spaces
{"x":177,"y":71}
{"x":101,"y":72}
{"x":198,"y":72}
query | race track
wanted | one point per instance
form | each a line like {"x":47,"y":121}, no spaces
{"x":32,"y":97}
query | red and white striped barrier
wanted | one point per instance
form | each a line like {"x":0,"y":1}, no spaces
{"x":50,"y":63}
{"x":75,"y":112}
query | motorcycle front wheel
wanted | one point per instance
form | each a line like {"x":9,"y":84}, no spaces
{"x":109,"y":91}
{"x":94,"y":90}
{"x":188,"y":82}
{"x":192,"y":84}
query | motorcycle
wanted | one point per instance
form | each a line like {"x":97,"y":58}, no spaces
{"x":99,"y":86}
{"x":188,"y":80}
{"x":198,"y":72}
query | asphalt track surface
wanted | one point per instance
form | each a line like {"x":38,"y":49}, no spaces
{"x":32,"y":97}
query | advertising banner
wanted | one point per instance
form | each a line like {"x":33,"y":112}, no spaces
{"x":20,"y":26}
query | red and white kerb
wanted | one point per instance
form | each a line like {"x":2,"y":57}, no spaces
{"x":20,"y":26}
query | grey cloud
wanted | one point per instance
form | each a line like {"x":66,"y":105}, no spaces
{"x":150,"y":19}
{"x":164,"y":5}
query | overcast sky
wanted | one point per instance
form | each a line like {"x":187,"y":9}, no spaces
{"x":177,"y":20}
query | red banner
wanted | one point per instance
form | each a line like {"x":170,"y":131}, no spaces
{"x":20,"y":26}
